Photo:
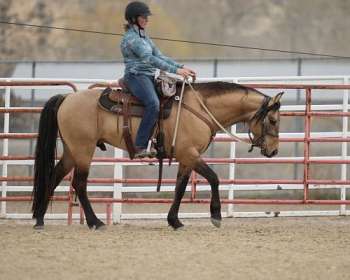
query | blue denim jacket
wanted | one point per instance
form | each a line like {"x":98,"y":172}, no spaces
{"x":141,"y":55}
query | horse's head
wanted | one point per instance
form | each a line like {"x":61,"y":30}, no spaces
{"x":264,"y":126}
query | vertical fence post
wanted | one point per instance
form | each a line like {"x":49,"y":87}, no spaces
{"x":232,"y":167}
{"x":117,"y":187}
{"x":5,"y":148}
{"x":108,"y":214}
{"x":344,"y":147}
{"x":193,"y":185}
{"x":215,"y":68}
{"x":298,"y":124}
{"x":212,"y":144}
{"x":70,"y":199}
{"x":32,"y":100}
{"x":307,"y":131}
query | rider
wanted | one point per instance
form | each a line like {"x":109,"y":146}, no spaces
{"x":142,"y":58}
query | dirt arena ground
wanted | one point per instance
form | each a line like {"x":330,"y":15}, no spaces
{"x":270,"y":248}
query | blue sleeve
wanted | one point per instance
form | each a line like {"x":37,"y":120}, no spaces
{"x":140,"y":49}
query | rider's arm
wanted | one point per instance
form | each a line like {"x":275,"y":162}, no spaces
{"x":141,"y":49}
{"x":158,"y":53}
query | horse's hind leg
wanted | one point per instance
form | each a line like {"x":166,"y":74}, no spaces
{"x":79,"y":183}
{"x":181,"y":183}
{"x":215,"y":205}
{"x":62,"y":168}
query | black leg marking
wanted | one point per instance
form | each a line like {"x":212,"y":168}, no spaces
{"x":60,"y":171}
{"x":79,"y":183}
{"x":215,"y":205}
{"x":183,"y":176}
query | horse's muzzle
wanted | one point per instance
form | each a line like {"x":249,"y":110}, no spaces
{"x":272,"y":154}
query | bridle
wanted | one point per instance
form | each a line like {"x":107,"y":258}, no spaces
{"x":261,"y":115}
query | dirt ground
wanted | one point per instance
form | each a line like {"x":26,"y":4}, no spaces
{"x":270,"y":248}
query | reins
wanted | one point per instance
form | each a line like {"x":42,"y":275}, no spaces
{"x":197,"y":95}
{"x":177,"y":121}
{"x":259,"y":115}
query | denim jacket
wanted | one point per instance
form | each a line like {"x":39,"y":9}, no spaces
{"x":141,"y":55}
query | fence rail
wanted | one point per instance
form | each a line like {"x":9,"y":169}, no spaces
{"x":120,"y":184}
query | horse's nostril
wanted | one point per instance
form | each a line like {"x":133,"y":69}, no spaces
{"x":274,"y":153}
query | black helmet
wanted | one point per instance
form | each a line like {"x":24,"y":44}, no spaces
{"x":135,"y":9}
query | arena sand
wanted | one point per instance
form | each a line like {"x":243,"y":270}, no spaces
{"x":274,"y":248}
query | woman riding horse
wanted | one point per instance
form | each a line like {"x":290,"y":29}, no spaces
{"x":142,"y":58}
{"x":82,"y":124}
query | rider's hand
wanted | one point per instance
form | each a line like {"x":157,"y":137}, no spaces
{"x":186,"y":72}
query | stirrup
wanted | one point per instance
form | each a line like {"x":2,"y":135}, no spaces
{"x":153,"y":152}
{"x":142,"y":153}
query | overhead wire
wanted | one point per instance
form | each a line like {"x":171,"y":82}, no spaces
{"x":177,"y":40}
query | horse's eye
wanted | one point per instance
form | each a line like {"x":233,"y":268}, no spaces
{"x":273,"y":122}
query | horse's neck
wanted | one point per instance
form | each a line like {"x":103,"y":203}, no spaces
{"x":235,"y":107}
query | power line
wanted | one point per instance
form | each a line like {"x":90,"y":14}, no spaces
{"x":176,"y":40}
{"x":61,"y":28}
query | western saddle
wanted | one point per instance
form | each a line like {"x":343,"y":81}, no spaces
{"x":120,"y":101}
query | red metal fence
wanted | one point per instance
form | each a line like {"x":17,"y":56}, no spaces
{"x":194,"y":181}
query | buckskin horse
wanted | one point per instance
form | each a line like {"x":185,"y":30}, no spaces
{"x":82,"y":124}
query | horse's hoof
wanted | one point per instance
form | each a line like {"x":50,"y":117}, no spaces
{"x":98,"y":226}
{"x":216,"y":222}
{"x":176,"y":225}
{"x":179,"y":227}
{"x":38,"y":227}
{"x":101,"y":227}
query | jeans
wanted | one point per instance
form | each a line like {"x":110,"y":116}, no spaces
{"x":142,"y":86}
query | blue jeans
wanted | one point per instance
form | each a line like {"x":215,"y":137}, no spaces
{"x":142,"y":86}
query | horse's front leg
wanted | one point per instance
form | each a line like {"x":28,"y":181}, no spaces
{"x":215,"y":205}
{"x":183,"y":175}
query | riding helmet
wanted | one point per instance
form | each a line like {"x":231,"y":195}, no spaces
{"x":135,"y":9}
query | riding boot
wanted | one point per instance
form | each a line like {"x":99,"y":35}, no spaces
{"x":143,"y":152}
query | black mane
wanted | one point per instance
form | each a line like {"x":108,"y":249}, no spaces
{"x":209,"y":89}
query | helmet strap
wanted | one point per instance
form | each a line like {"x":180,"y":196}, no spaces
{"x":140,"y":29}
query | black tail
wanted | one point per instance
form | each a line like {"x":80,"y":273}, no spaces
{"x":45,"y":156}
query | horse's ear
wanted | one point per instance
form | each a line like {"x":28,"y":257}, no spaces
{"x":277,"y":97}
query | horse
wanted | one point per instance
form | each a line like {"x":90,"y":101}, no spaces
{"x":82,"y":124}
